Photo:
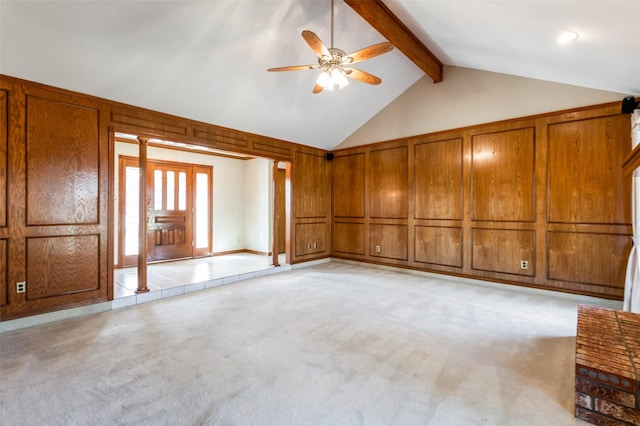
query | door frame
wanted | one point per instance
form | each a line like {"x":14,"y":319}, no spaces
{"x":128,"y":161}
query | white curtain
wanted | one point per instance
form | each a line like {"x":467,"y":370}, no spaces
{"x":632,"y":282}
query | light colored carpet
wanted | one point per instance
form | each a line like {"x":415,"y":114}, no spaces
{"x":332,"y":344}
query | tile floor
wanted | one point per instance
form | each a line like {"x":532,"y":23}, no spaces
{"x":165,"y":280}
{"x":168,"y":275}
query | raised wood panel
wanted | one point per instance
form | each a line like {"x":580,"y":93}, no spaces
{"x":586,"y":183}
{"x":348,"y":187}
{"x":349,"y":238}
{"x":4,"y":165}
{"x":439,"y":245}
{"x":311,"y":180}
{"x":277,"y":149}
{"x":438,"y":180}
{"x":598,"y":259}
{"x":311,"y":238}
{"x":132,"y":119}
{"x":501,"y":250}
{"x":58,"y":266}
{"x":4,"y":271}
{"x":62,"y":163}
{"x":388,"y":183}
{"x":220,"y":136}
{"x":502,"y":176}
{"x":392,"y":240}
{"x":137,"y":119}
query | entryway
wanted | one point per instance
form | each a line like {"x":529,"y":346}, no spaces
{"x":178,"y":210}
{"x":199,"y":204}
{"x":195,"y":274}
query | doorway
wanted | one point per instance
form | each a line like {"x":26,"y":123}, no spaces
{"x":241,"y":216}
{"x":179,"y":203}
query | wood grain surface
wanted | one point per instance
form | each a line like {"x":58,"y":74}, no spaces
{"x":439,"y":245}
{"x":585,"y":181}
{"x":60,"y":265}
{"x":348,"y":187}
{"x":502,"y":176}
{"x":438,"y":180}
{"x":388,"y":183}
{"x":62,"y":163}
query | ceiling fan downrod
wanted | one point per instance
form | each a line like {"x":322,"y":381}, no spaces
{"x":332,"y":23}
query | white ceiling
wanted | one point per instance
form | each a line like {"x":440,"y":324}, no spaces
{"x":207,"y":60}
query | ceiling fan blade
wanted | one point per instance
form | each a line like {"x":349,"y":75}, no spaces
{"x":317,"y":89}
{"x":316,"y":44}
{"x":369,"y":52}
{"x":362,"y":76}
{"x":295,"y":68}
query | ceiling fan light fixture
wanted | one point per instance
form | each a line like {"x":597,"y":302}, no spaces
{"x":332,"y":78}
{"x":567,"y":37}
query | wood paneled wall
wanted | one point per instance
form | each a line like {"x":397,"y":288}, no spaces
{"x":57,"y":198}
{"x":473,"y":202}
{"x":477,"y":202}
{"x":311,"y":181}
{"x":56,"y":176}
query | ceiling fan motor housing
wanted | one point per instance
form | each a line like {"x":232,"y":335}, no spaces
{"x":336,"y":60}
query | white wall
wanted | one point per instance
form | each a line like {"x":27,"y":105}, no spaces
{"x":468,"y":97}
{"x":229,"y":195}
{"x":258,"y":193}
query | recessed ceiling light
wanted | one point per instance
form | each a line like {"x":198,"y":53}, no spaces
{"x":567,"y":37}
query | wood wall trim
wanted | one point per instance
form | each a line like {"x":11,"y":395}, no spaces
{"x":152,"y":124}
{"x":4,"y":164}
{"x":386,"y":23}
{"x":4,"y":202}
{"x":632,"y":161}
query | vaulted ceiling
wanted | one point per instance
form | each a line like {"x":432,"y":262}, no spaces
{"x":207,"y":60}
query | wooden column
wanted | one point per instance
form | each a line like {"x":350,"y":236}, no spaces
{"x":276,"y":213}
{"x":142,"y":225}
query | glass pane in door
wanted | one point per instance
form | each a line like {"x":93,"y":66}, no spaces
{"x":171,"y":191}
{"x":157,"y":190}
{"x":132,"y":203}
{"x":182,"y":191}
{"x":202,"y":210}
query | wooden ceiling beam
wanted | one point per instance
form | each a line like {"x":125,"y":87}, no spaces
{"x":386,"y":23}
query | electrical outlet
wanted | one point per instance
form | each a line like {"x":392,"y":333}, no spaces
{"x":524,"y":264}
{"x":377,"y":249}
{"x":21,"y":286}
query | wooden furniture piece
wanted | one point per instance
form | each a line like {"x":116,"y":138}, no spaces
{"x":607,"y":366}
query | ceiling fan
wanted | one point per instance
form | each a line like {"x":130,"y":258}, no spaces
{"x":336,"y":64}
